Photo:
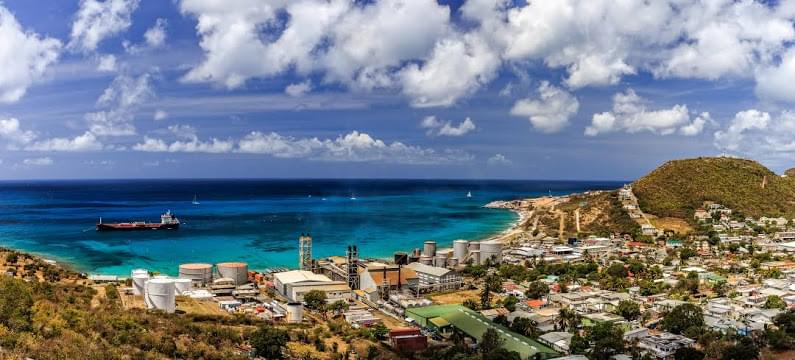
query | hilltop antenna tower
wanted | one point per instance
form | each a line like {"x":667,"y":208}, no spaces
{"x":305,"y":252}
{"x":352,"y":265}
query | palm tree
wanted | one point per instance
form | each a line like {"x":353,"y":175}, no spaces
{"x":568,"y":319}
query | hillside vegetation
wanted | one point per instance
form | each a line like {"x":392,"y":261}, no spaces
{"x":600,"y":214}
{"x":679,"y":187}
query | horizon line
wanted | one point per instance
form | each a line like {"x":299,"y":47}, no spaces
{"x":307,"y":178}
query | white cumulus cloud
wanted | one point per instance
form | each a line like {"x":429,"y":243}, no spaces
{"x":630,"y":114}
{"x":436,"y":127}
{"x":107,"y":63}
{"x":298,"y":89}
{"x":97,"y":20}
{"x":85,"y":142}
{"x":43,"y":161}
{"x":156,"y":35}
{"x":120,"y":100}
{"x":551,"y":111}
{"x":24,"y":57}
{"x":351,"y":147}
{"x":414,"y":48}
{"x":499,"y":159}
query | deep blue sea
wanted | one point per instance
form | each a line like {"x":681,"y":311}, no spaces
{"x":255,"y":221}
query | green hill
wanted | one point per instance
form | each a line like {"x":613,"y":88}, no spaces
{"x":679,"y":187}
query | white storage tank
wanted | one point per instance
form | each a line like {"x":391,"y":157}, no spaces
{"x":183,"y":285}
{"x":460,"y":249}
{"x":295,"y":312}
{"x":139,"y":272}
{"x":201,"y":274}
{"x":491,"y":249}
{"x":427,"y":260}
{"x":452,"y":262}
{"x":440,"y":261}
{"x":139,"y":283}
{"x":236,"y":271}
{"x":474,"y":245}
{"x":429,"y":248}
{"x":474,"y":255}
{"x":160,"y":295}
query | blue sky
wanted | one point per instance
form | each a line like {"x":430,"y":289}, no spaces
{"x":390,"y":88}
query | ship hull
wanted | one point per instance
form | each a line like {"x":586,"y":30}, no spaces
{"x":136,"y":227}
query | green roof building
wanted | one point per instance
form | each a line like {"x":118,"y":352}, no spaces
{"x":474,"y":325}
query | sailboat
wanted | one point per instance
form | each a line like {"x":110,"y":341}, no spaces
{"x":469,"y":194}
{"x":195,"y":200}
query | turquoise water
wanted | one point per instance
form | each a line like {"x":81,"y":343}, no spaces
{"x":255,"y":221}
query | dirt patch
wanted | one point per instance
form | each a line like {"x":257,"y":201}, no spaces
{"x":457,"y":297}
{"x":680,"y":226}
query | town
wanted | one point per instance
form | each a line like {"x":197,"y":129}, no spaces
{"x":722,"y":292}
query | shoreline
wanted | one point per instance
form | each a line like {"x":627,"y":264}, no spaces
{"x":511,"y":229}
{"x":516,"y":207}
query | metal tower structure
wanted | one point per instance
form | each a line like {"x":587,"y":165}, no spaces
{"x":353,"y":265}
{"x":305,"y":252}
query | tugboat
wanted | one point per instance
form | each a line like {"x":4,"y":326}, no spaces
{"x":167,"y":222}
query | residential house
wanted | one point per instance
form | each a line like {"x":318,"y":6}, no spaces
{"x":664,"y":345}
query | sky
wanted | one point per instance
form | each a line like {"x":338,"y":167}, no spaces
{"x":475,"y":89}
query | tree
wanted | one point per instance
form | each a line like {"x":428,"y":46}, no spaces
{"x":537,"y":290}
{"x":372,"y":352}
{"x":269,"y":342}
{"x":617,"y":270}
{"x":774,"y":302}
{"x":338,"y":306}
{"x":472,"y":304}
{"x":490,"y":341}
{"x":380,"y":330}
{"x":16,"y":301}
{"x":525,"y":326}
{"x":578,"y":345}
{"x":743,"y":349}
{"x":786,"y":321}
{"x":510,"y":303}
{"x":683,"y":317}
{"x":315,"y":300}
{"x":502,"y":354}
{"x":492,"y":283}
{"x":720,"y":288}
{"x":568,"y":319}
{"x":686,"y":353}
{"x":778,"y":339}
{"x":687,"y":253}
{"x":607,"y":339}
{"x":628,"y":309}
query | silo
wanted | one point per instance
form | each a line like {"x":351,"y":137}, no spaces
{"x":139,"y":272}
{"x":474,"y":245}
{"x":295,"y":312}
{"x":460,"y":249}
{"x":427,"y":260}
{"x":200,"y":274}
{"x":429,"y":248}
{"x":491,"y":249}
{"x":237,"y":271}
{"x":139,"y":283}
{"x":183,"y":285}
{"x":474,"y":255}
{"x":160,"y":295}
{"x":440,"y":261}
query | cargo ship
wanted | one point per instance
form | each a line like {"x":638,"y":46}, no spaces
{"x":167,"y":222}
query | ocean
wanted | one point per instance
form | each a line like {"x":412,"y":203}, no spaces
{"x":254,"y":221}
